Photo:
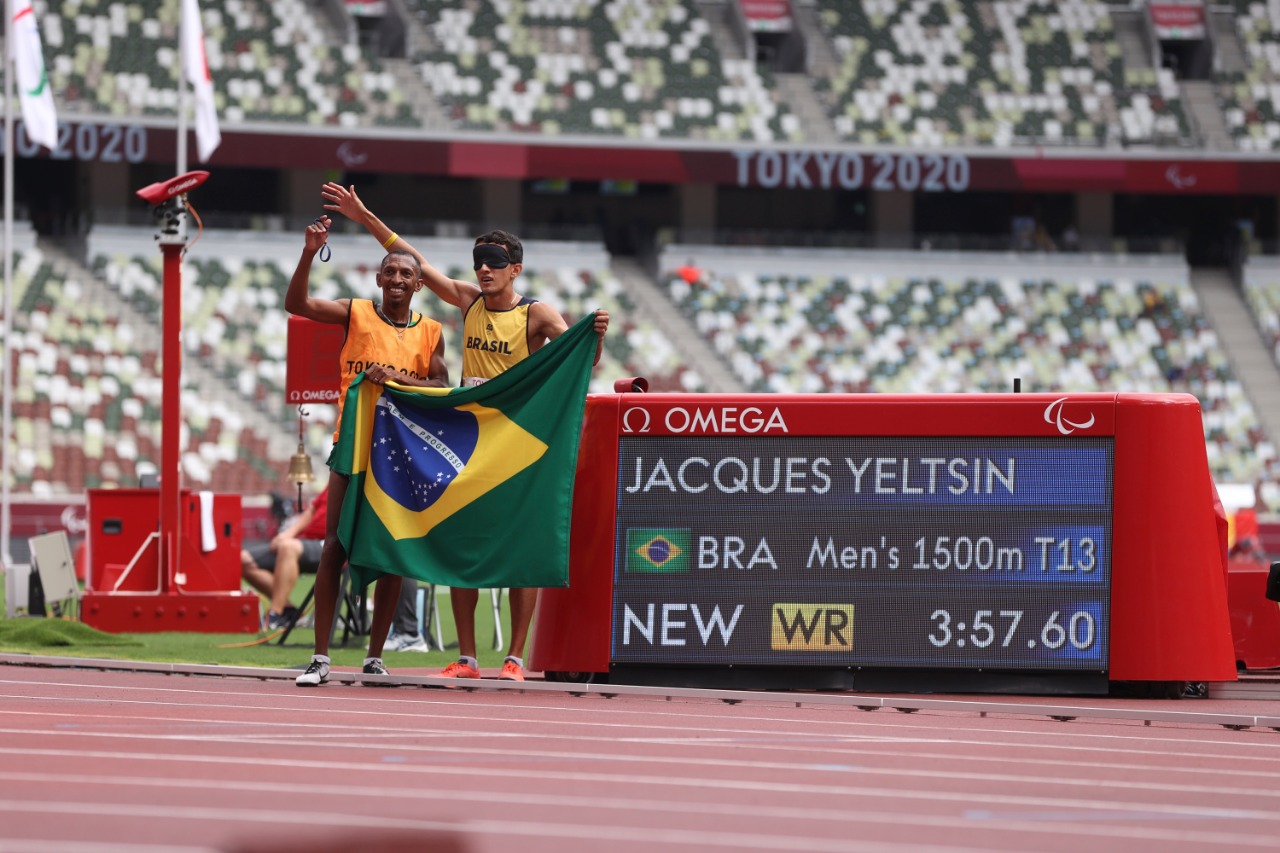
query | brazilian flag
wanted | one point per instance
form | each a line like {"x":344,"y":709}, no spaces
{"x":467,"y":487}
{"x":658,"y":550}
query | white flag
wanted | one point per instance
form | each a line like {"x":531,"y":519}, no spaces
{"x":34,"y":91}
{"x":196,"y":70}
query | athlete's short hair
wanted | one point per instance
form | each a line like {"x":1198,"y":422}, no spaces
{"x":508,"y":241}
{"x":402,"y":252}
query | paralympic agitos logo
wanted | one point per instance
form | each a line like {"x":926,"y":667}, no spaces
{"x":1053,"y":414}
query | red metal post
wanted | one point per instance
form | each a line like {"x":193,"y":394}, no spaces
{"x":171,"y":416}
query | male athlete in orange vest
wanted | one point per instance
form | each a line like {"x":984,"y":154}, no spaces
{"x":388,"y":342}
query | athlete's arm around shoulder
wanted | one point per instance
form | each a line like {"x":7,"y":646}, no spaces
{"x":298,"y":299}
{"x":345,"y":201}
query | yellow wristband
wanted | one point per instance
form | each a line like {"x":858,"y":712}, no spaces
{"x":394,"y":237}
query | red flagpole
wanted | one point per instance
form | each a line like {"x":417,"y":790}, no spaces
{"x":171,"y":416}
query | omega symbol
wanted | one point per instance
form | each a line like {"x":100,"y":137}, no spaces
{"x":626,"y":420}
{"x":1053,"y":415}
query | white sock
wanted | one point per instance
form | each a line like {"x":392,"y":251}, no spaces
{"x":471,"y":662}
{"x":368,"y":661}
{"x":517,"y":661}
{"x":321,"y":658}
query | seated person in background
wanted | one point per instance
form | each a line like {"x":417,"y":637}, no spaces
{"x":272,"y":569}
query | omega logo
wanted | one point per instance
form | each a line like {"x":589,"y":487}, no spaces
{"x":1053,"y":415}
{"x":626,"y":419}
{"x":722,"y":419}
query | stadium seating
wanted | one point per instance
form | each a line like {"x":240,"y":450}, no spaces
{"x":1003,"y":73}
{"x":1250,"y":100}
{"x":93,"y":378}
{"x":916,"y":73}
{"x":235,"y":323}
{"x":617,"y":68}
{"x":924,"y":73}
{"x":1262,"y":293}
{"x":270,"y":61}
{"x":783,"y":322}
{"x":942,"y":322}
{"x":1261,"y":280}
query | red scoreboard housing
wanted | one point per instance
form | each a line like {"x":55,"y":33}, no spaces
{"x":995,"y":543}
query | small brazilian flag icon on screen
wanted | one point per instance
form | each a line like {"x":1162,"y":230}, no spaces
{"x":658,"y":550}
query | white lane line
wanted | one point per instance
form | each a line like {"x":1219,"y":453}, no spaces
{"x":435,"y":750}
{"x":856,"y":743}
{"x":40,"y":845}
{"x":1252,"y":748}
{"x":685,"y":710}
{"x":656,"y":836}
{"x":765,"y":786}
{"x":1067,"y":823}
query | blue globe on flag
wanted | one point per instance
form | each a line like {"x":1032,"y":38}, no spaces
{"x":415,"y":454}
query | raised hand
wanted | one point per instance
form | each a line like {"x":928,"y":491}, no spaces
{"x":317,"y":234}
{"x":343,"y":200}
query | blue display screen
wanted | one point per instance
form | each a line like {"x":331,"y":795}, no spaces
{"x":990,"y":553}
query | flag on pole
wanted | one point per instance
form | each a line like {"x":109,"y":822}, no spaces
{"x":34,"y":91}
{"x":196,"y":70}
{"x":467,"y":487}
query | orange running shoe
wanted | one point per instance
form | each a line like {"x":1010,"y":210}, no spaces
{"x":511,"y":671}
{"x":458,"y":669}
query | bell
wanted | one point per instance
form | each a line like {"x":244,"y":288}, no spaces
{"x":300,"y":467}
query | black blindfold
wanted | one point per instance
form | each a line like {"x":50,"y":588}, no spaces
{"x":491,"y":255}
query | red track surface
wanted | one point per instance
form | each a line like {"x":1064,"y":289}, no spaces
{"x":97,"y":761}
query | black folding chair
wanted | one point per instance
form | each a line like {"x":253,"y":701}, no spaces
{"x":352,"y":611}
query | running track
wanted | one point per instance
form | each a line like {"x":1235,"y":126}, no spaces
{"x":94,"y":761}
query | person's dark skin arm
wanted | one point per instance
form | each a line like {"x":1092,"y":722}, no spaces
{"x":298,"y":299}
